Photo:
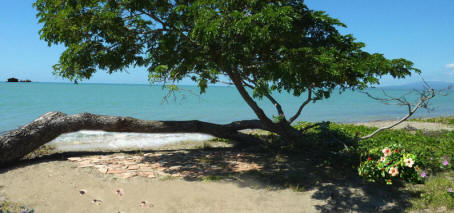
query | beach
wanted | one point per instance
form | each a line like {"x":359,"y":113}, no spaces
{"x":188,"y":177}
{"x":226,"y":106}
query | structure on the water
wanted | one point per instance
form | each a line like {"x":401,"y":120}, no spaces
{"x":17,"y":80}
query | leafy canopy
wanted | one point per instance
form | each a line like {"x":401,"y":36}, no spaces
{"x":271,"y":45}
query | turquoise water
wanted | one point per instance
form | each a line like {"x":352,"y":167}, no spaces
{"x":21,"y":103}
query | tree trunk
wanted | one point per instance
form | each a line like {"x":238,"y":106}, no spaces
{"x":287,"y":132}
{"x":17,"y":143}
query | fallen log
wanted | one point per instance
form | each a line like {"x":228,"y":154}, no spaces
{"x":18,"y":143}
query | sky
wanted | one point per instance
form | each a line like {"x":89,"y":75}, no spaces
{"x":418,"y":30}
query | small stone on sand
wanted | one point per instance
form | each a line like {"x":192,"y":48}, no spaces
{"x":82,"y":191}
{"x":119,"y":192}
{"x":145,"y":204}
{"x":97,"y":202}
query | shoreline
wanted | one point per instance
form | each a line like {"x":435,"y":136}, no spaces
{"x":410,"y":125}
{"x":390,"y":120}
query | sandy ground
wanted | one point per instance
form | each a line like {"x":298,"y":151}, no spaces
{"x":55,"y":187}
{"x":52,"y":185}
{"x":410,"y":124}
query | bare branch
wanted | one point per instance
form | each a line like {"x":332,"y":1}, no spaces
{"x":390,"y":100}
{"x":248,"y":85}
{"x":297,"y":114}
{"x":423,"y":102}
{"x":225,"y":82}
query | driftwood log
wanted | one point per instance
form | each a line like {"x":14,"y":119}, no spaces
{"x":18,"y":143}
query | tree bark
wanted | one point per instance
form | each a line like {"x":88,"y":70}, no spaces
{"x":287,"y":133}
{"x":17,"y":143}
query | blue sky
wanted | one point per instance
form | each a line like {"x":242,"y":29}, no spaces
{"x":419,"y":30}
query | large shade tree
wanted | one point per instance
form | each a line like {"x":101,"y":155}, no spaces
{"x":262,"y":47}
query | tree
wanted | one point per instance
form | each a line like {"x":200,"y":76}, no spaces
{"x":266,"y":46}
{"x":262,"y":47}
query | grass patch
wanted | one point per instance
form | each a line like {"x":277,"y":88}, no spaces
{"x":296,"y":187}
{"x":434,"y":194}
{"x":40,"y":151}
{"x":167,"y":178}
{"x":444,"y":120}
{"x":216,"y":139}
{"x":213,"y":178}
{"x":11,"y":207}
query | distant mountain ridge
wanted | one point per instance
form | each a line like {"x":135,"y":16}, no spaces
{"x":420,"y":85}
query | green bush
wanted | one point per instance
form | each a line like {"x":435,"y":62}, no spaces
{"x":430,"y":150}
{"x":394,"y":163}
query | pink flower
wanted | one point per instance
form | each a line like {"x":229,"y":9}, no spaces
{"x":386,"y":151}
{"x":445,"y":162}
{"x":393,"y":171}
{"x":383,"y":159}
{"x":423,"y":174}
{"x":450,"y":189}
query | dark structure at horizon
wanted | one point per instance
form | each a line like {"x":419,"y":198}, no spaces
{"x":17,"y":80}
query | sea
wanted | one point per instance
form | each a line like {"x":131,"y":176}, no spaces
{"x":21,"y":103}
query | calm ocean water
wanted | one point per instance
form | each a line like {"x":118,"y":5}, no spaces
{"x":21,"y":103}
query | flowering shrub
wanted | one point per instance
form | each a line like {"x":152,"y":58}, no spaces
{"x":393,"y":163}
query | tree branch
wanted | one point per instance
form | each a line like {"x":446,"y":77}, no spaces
{"x":17,"y":143}
{"x":269,"y":97}
{"x":425,"y":95}
{"x":151,"y":15}
{"x":276,"y":104}
{"x":225,"y":82}
{"x":236,"y":79}
{"x":297,"y":114}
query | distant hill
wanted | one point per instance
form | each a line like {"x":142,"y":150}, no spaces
{"x":420,"y":85}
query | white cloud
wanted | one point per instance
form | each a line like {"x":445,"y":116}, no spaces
{"x":450,"y":66}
